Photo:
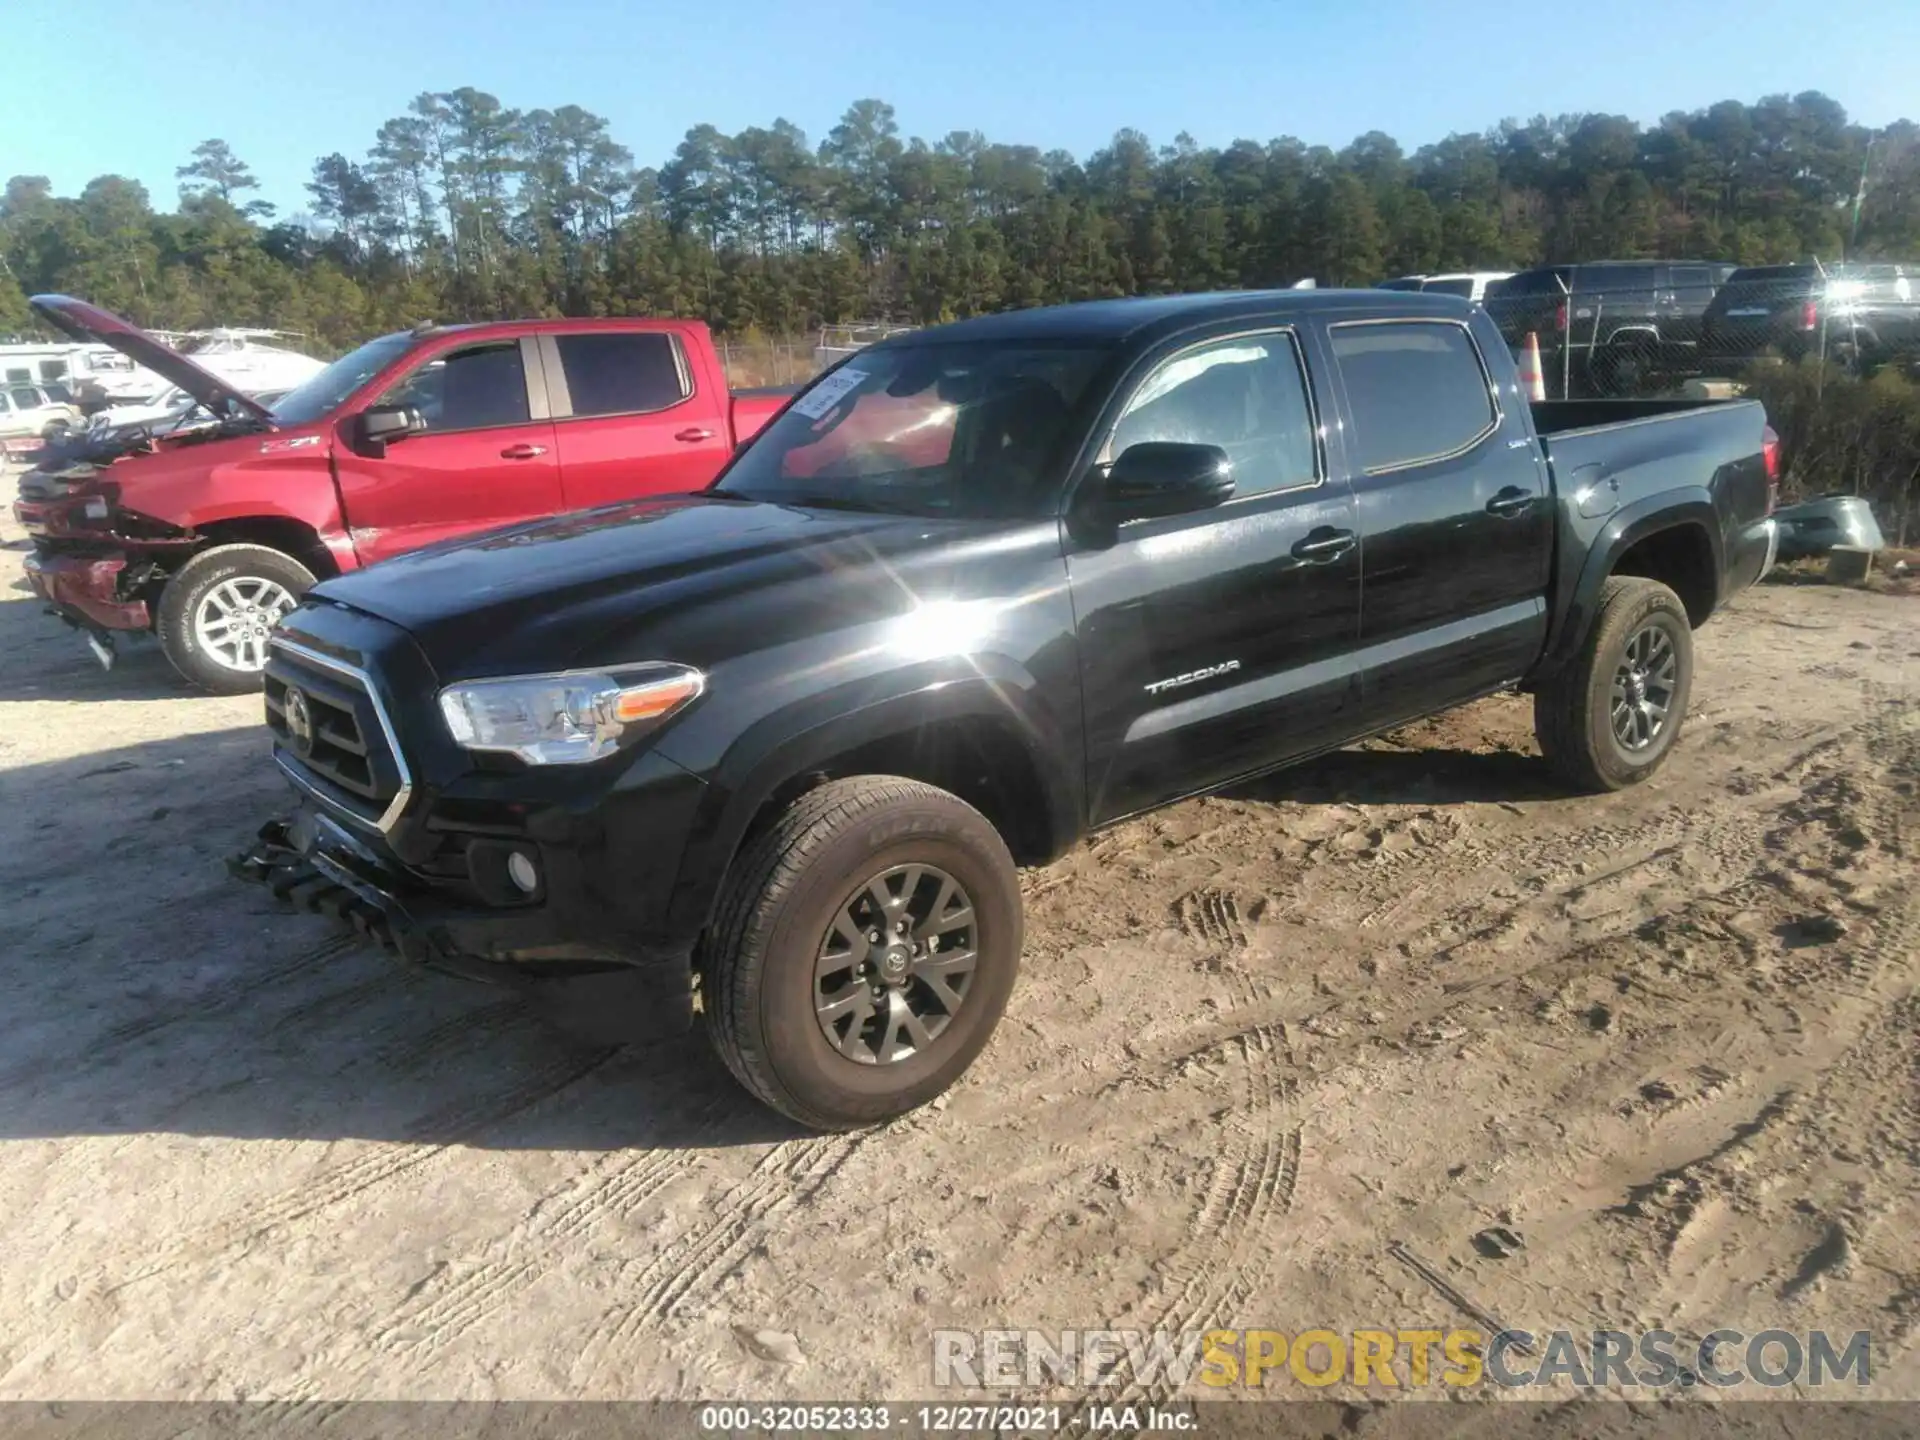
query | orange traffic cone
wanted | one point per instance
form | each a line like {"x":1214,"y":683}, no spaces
{"x":1533,"y":378}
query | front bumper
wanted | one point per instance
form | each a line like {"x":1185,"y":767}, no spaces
{"x":314,"y":863}
{"x":86,"y":590}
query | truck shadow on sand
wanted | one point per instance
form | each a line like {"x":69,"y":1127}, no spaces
{"x":146,"y":992}
{"x":44,"y":659}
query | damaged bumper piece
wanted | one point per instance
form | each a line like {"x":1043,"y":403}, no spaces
{"x":88,"y":591}
{"x":310,"y":863}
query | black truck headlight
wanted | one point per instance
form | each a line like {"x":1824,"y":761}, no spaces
{"x":569,"y":718}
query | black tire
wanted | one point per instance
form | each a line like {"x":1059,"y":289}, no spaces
{"x":1574,"y":710}
{"x":781,"y":895}
{"x":188,"y":588}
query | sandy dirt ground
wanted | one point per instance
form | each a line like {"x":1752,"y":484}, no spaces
{"x":1670,"y":1037}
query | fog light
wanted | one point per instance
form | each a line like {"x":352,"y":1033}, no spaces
{"x":520,"y":870}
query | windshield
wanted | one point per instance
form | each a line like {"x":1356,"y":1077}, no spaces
{"x":958,"y":429}
{"x":324,"y":393}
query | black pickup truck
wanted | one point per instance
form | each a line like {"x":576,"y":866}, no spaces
{"x":1612,"y":327}
{"x":774,"y":750}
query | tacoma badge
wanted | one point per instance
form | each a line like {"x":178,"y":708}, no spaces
{"x":1225,"y":667}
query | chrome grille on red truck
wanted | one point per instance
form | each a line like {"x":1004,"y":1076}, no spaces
{"x":331,"y":736}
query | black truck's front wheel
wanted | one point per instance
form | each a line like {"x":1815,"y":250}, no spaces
{"x":1609,"y":719}
{"x":863,"y":951}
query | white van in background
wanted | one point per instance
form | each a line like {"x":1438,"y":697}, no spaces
{"x":1470,"y":283}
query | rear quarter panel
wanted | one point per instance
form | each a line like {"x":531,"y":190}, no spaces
{"x":1619,"y":483}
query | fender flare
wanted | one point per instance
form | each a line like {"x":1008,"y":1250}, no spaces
{"x":789,"y":743}
{"x":1625,"y":528}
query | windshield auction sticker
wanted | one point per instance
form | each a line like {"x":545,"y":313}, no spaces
{"x":830,"y":392}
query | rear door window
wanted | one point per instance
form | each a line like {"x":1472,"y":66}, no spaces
{"x":1417,"y":390}
{"x":622,"y":374}
{"x":1623,"y":281}
{"x":1694,"y":285}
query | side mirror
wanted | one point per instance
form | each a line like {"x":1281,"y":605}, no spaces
{"x":1157,"y":478}
{"x":383,"y":424}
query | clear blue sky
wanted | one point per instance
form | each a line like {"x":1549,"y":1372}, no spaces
{"x":130,"y":86}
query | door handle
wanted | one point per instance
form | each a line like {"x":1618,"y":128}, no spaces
{"x":1510,"y":501}
{"x":1323,"y":544}
{"x":523,"y":452}
{"x":693,"y":434}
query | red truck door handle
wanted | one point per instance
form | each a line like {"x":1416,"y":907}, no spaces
{"x":693,"y":435}
{"x":523,"y":452}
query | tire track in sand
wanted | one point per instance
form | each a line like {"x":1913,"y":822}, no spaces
{"x":791,"y":1173}
{"x":460,"y":1296}
{"x":1228,"y":1245}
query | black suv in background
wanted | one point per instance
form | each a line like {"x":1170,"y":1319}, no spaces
{"x":1855,"y":315}
{"x":1613,"y":327}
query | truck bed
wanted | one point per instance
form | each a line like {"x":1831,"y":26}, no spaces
{"x":1556,"y":417}
{"x":1652,"y":443}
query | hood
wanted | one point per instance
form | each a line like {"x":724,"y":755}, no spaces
{"x":694,"y":578}
{"x":91,"y":324}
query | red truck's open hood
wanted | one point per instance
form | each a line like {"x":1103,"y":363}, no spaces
{"x":90,"y":323}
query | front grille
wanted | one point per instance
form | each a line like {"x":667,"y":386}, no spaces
{"x":338,"y":746}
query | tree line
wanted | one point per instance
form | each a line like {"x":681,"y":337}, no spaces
{"x":462,"y":208}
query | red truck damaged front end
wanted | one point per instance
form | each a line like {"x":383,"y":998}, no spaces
{"x":210,"y":532}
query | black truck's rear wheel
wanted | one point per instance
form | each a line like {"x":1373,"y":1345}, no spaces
{"x":863,"y":951}
{"x":1610,"y":718}
{"x":219,"y":608}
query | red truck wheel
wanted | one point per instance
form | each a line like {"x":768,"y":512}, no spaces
{"x":218,"y":609}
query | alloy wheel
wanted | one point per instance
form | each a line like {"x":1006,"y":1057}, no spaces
{"x":896,"y":964}
{"x":1643,"y":687}
{"x":234,"y":619}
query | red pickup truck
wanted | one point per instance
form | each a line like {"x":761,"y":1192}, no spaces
{"x":206,"y":535}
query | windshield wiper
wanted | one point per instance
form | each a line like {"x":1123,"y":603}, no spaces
{"x":832,"y":500}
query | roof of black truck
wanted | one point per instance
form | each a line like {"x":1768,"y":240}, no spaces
{"x":1117,"y":320}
